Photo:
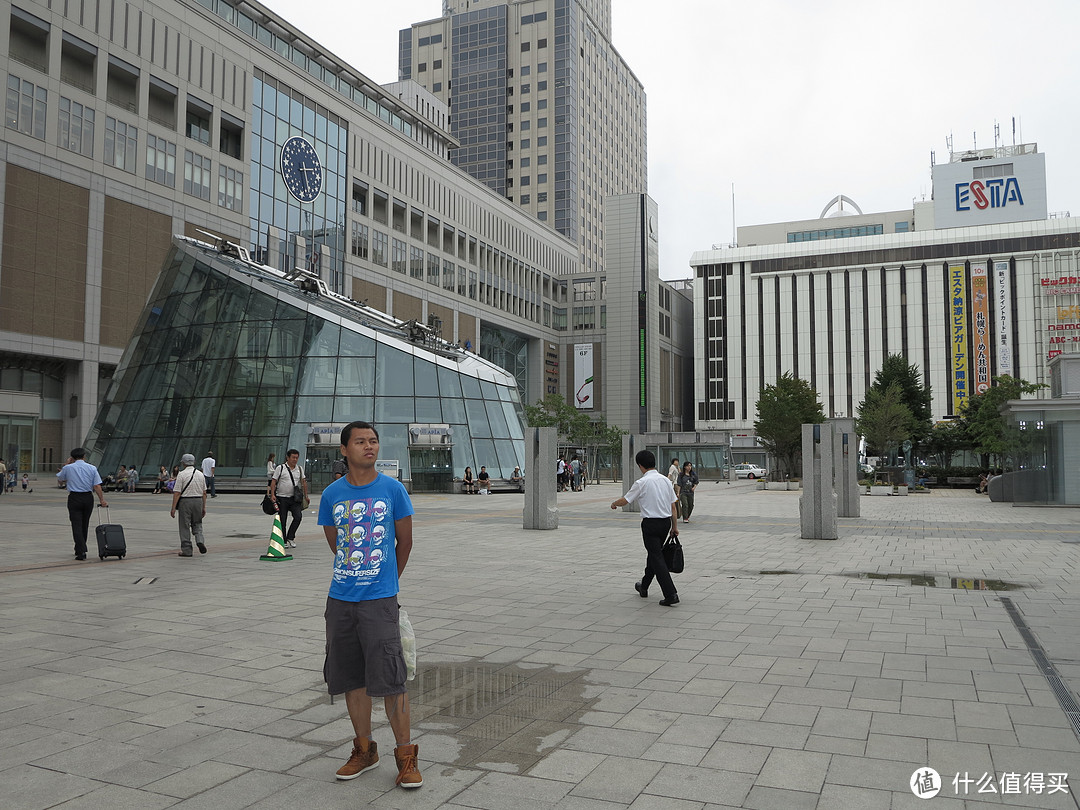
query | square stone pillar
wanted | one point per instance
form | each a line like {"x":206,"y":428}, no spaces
{"x":817,"y":505}
{"x":541,"y":511}
{"x":846,"y":467}
{"x":630,"y":472}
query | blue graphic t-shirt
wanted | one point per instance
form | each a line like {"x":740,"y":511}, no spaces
{"x":365,"y":566}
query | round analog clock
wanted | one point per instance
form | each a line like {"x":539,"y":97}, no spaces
{"x":301,"y":169}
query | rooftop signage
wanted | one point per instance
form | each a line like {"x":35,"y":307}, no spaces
{"x":990,"y":191}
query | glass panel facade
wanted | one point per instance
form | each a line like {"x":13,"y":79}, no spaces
{"x":279,"y":114}
{"x":219,"y":363}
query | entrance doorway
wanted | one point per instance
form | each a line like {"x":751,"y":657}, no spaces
{"x":432,"y":467}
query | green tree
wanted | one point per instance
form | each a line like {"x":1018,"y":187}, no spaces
{"x":989,"y":433}
{"x":575,"y":427}
{"x":782,"y":410}
{"x":913,"y":394}
{"x":945,"y":440}
{"x":884,"y":420}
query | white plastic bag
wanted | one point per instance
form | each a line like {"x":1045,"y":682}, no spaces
{"x":408,"y":643}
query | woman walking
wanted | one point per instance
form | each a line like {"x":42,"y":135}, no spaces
{"x":688,"y":481}
{"x":270,"y":467}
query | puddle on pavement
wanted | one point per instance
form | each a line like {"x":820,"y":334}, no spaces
{"x":245,"y":535}
{"x":504,"y":717}
{"x":932,"y":581}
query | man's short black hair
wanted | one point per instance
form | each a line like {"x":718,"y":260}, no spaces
{"x":78,"y":452}
{"x":293,"y":452}
{"x":646,"y":459}
{"x":346,"y":432}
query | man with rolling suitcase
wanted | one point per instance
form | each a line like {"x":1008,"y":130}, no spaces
{"x":189,"y":499}
{"x":83,"y":482}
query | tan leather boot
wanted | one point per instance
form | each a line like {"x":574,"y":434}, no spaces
{"x":408,"y":774}
{"x":365,"y":756}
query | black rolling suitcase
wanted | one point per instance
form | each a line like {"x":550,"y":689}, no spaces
{"x":110,"y":539}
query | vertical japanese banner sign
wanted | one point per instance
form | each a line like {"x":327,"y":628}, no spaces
{"x":1003,"y":317}
{"x":583,"y":376}
{"x":980,"y":321}
{"x":958,"y":335}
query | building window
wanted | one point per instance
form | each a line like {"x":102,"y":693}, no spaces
{"x":196,"y":175}
{"x":526,"y":46}
{"x":902,"y":227}
{"x":541,"y":123}
{"x":198,"y":125}
{"x":398,"y":256}
{"x":360,"y":198}
{"x":525,"y":199}
{"x":472,"y":285}
{"x":230,"y":138}
{"x":76,"y":127}
{"x":359,"y":246}
{"x":416,"y":262}
{"x":433,"y":269}
{"x":462,"y":280}
{"x":448,"y":275}
{"x":230,"y":188}
{"x":121,"y":144}
{"x":558,"y":319}
{"x":541,"y":140}
{"x":161,"y":161}
{"x":584,"y":317}
{"x":541,"y":178}
{"x":585,"y":289}
{"x":379,"y":242}
{"x":541,"y":196}
{"x":26,"y":105}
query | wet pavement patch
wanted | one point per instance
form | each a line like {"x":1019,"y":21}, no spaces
{"x":933,"y":581}
{"x":503,"y":717}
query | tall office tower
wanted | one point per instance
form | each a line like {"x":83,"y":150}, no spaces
{"x":547,"y":112}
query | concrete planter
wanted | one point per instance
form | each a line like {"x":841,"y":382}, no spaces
{"x":782,"y":486}
{"x":881,"y":490}
{"x":901,"y":490}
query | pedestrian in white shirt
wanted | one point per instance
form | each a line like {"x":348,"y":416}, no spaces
{"x":659,"y":519}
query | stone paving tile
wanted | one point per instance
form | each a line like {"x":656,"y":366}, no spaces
{"x":700,"y":784}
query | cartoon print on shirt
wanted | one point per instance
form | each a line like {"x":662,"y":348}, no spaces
{"x":362,"y":529}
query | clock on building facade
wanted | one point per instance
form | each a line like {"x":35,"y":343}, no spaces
{"x":301,"y":169}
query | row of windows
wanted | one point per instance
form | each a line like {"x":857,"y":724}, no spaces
{"x":26,"y":109}
{"x":835,"y":233}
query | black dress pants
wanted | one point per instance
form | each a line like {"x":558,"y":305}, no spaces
{"x":654,"y":531}
{"x":80,"y":508}
{"x":290,"y":506}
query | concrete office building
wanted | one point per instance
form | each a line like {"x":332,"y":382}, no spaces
{"x":547,"y":112}
{"x":129,"y":124}
{"x":977,"y":282}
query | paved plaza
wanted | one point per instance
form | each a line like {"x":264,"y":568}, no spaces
{"x":793,"y":674}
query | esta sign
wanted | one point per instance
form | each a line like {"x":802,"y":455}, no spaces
{"x":995,"y":193}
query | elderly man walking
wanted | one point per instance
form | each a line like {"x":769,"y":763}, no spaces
{"x":189,"y":499}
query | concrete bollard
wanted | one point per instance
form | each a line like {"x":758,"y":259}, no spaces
{"x":846,"y":468}
{"x":817,"y":505}
{"x":630,"y":471}
{"x":541,"y":510}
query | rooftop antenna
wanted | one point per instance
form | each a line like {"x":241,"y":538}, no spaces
{"x":734,"y":233}
{"x":948,"y":143}
{"x":974,"y":145}
{"x":1014,"y":130}
{"x":997,"y":133}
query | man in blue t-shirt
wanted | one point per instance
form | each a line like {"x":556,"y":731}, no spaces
{"x":367,"y":519}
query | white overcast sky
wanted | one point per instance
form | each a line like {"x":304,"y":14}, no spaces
{"x":795,"y":102}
